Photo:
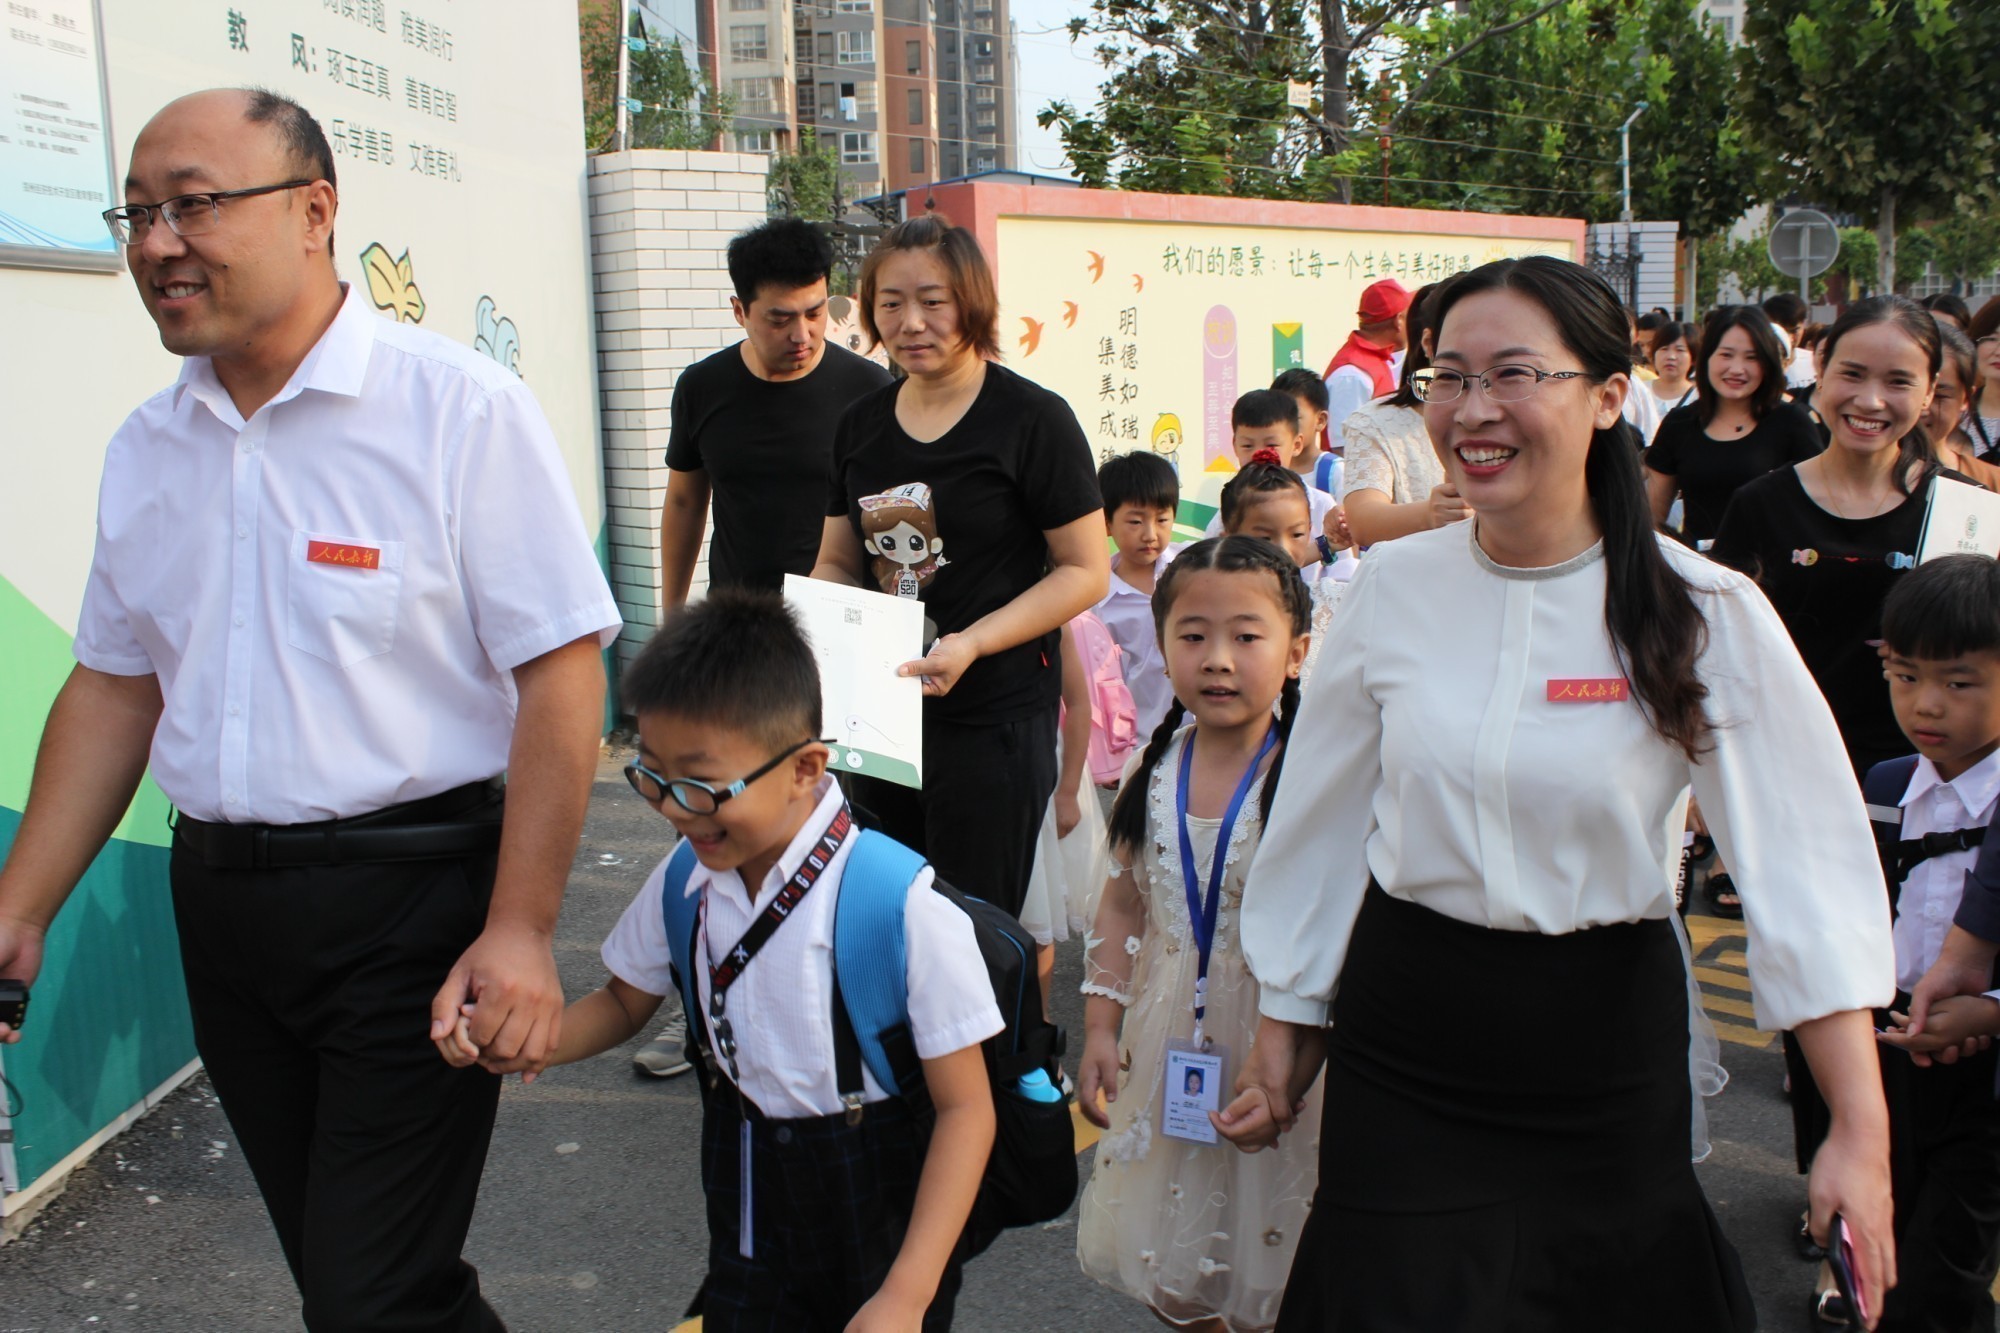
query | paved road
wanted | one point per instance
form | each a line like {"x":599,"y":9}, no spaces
{"x":590,"y":1217}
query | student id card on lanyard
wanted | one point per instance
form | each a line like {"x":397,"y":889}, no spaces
{"x":1197,"y":1070}
{"x":723,"y":975}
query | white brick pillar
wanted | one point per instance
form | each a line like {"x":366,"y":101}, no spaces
{"x":659,"y":225}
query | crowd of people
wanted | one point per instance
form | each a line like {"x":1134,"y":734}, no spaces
{"x":1522,"y":610}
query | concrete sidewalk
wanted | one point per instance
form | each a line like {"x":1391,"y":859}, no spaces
{"x":590,"y":1218}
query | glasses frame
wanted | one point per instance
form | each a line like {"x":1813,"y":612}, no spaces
{"x":120,"y":217}
{"x":1421,"y":381}
{"x":639,"y":776}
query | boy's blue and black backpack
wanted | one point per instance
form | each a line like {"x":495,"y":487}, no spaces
{"x":1032,"y":1175}
{"x":1883,"y":790}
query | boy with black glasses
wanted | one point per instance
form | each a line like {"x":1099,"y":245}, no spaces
{"x":857,"y":1212}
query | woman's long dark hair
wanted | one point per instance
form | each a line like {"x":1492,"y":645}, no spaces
{"x":1770,"y":353}
{"x":1656,"y":629}
{"x":1230,"y":555}
{"x":1419,"y":322}
{"x":1915,"y":323}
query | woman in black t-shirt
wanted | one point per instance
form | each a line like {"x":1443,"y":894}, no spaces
{"x":1827,"y":538}
{"x":1739,"y":427}
{"x":973,"y":490}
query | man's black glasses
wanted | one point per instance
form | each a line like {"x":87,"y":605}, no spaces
{"x":699,"y":798}
{"x":187,"y":214}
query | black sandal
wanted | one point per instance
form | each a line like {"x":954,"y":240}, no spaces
{"x":1702,"y":849}
{"x":1721,"y":886}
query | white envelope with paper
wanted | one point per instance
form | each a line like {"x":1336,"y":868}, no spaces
{"x":859,"y":638}
{"x":1961,"y":519}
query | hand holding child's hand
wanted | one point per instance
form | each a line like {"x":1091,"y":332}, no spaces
{"x":1338,"y":535}
{"x":1247,"y":1121}
{"x":1098,"y":1073}
{"x":1960,"y":1027}
{"x":456,"y":1046}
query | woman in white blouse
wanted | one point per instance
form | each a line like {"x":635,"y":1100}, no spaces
{"x":1394,"y":483}
{"x":1504,"y":728}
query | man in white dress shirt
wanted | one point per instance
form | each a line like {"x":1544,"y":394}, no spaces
{"x":341,"y":584}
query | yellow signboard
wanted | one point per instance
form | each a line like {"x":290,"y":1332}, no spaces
{"x":1151,"y":330}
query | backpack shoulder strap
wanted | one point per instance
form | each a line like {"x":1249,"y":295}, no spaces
{"x":870,"y":945}
{"x":681,"y":913}
{"x":1883,"y":790}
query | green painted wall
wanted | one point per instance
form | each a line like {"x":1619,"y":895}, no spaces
{"x":108,"y":1022}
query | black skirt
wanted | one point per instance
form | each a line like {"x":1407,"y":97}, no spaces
{"x":1505,"y":1141}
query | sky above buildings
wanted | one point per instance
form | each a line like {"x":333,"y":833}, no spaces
{"x":1052,"y":69}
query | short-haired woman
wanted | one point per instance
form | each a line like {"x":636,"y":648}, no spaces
{"x":1001,"y":536}
{"x":1739,"y":427}
{"x":1505,"y":725}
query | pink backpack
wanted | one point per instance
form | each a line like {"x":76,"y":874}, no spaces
{"x":1114,"y":718}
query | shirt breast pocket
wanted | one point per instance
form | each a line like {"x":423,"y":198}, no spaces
{"x":342,"y":596}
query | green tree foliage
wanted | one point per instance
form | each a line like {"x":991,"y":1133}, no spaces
{"x":805,"y":184}
{"x":1885,"y":108}
{"x":1968,"y":247}
{"x":1529,"y":122}
{"x":682,"y":108}
{"x":1196,"y":99}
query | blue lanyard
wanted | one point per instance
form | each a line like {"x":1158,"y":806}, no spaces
{"x":1201,"y":915}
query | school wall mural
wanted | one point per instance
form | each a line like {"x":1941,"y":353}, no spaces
{"x":1152,"y":325}
{"x":455,"y":131}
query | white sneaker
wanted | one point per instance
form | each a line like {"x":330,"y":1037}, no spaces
{"x":665,"y":1055}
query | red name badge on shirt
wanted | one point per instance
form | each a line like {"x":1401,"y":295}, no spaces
{"x":334,"y":553}
{"x":1607,"y":690}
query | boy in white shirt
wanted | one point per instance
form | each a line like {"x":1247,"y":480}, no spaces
{"x":1941,"y":625}
{"x":1141,"y":496}
{"x":858,"y":1214}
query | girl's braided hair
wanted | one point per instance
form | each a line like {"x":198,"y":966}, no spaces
{"x":1229,"y":555}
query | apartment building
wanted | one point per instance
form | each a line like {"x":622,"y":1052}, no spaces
{"x":975,"y":86}
{"x":903,"y":91}
{"x":753,"y":56}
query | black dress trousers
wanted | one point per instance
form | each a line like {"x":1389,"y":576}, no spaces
{"x":311,"y":990}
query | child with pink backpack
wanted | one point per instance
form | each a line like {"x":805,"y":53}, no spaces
{"x":1097,"y":735}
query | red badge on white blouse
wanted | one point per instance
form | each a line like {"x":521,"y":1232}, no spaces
{"x":1608,"y":690}
{"x":337,"y":553}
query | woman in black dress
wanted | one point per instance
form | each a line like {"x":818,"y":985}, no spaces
{"x":1739,"y":427}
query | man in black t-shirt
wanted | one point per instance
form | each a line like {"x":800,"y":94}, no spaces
{"x":752,"y":425}
{"x":752,"y":432}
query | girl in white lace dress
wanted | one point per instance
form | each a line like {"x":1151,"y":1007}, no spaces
{"x":1200,"y":1232}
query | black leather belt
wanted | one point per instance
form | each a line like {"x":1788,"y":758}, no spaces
{"x":464,"y":821}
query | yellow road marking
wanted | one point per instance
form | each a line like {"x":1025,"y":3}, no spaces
{"x":1723,"y":1004}
{"x":1741,"y":1035}
{"x":1731,"y":958}
{"x":691,"y":1326}
{"x":1712,"y":976}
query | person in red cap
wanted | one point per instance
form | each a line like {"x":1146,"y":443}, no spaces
{"x":1368,"y":364}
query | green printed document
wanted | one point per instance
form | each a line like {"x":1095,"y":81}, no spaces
{"x":859,"y":638}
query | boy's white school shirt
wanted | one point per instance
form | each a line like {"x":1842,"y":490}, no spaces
{"x":1931,"y":893}
{"x":780,"y":1009}
{"x":1128,"y":614}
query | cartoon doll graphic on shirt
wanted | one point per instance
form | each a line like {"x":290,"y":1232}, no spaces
{"x":900,"y":529}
